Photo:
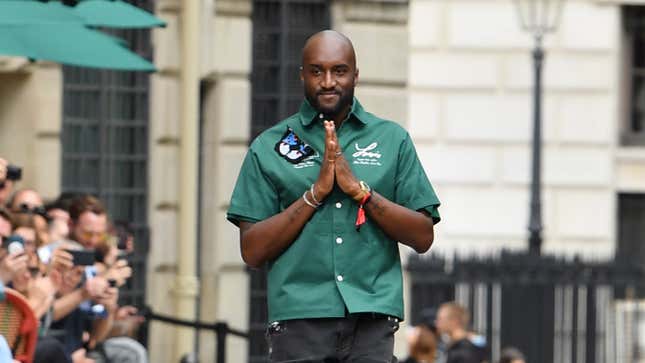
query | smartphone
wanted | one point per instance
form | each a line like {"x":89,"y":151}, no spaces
{"x":83,"y":257}
{"x":14,"y":244}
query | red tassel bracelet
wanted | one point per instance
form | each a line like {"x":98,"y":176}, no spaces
{"x":360,"y":217}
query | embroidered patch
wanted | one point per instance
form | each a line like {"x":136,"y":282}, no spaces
{"x":292,"y":148}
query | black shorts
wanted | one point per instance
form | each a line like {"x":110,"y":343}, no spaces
{"x":358,"y":338}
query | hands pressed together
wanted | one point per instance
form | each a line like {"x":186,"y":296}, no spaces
{"x":335,"y":169}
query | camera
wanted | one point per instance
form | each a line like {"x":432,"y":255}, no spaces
{"x":14,"y":244}
{"x":14,"y":172}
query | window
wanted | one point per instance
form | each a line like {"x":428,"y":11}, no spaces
{"x":280,"y":28}
{"x":631,"y":228}
{"x":105,"y":144}
{"x":634,"y":23}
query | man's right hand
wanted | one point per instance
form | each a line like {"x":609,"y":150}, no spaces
{"x":325,"y":182}
{"x":61,"y":259}
{"x":96,"y":288}
{"x":11,"y":265}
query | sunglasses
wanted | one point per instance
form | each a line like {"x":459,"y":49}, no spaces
{"x":25,"y":208}
{"x":89,"y":234}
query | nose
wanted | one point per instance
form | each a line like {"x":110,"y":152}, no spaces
{"x":328,"y":80}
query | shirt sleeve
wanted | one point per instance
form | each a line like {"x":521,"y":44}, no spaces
{"x":255,"y":197}
{"x":412,"y":187}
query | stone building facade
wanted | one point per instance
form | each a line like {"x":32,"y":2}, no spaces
{"x":456,"y":73}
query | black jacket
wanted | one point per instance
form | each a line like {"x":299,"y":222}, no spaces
{"x":464,"y":351}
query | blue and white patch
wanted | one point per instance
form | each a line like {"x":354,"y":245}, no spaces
{"x":292,"y":148}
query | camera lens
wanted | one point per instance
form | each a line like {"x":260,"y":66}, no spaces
{"x":14,"y":172}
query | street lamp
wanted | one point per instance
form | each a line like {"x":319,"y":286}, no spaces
{"x":537,"y":17}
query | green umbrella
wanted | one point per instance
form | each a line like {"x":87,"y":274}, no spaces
{"x":23,"y":12}
{"x":115,"y":14}
{"x":69,"y":44}
{"x":54,"y":32}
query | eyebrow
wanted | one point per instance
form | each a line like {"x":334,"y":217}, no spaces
{"x":335,"y":66}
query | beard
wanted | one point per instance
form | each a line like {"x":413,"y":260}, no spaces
{"x":345,"y":99}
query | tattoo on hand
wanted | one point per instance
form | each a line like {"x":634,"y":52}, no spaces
{"x":377,"y":205}
{"x":294,"y":214}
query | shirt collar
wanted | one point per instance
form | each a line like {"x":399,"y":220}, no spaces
{"x":308,"y":114}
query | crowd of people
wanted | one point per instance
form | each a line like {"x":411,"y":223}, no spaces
{"x":68,"y":259}
{"x":442,"y":336}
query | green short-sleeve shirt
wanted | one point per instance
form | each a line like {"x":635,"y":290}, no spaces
{"x":331,"y":268}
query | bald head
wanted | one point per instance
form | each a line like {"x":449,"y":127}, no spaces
{"x":329,"y":41}
{"x":329,"y":74}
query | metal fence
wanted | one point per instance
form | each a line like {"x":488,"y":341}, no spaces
{"x":553,"y":309}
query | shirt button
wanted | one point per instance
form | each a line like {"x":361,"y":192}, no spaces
{"x":339,"y":240}
{"x":339,"y":277}
{"x":338,"y":205}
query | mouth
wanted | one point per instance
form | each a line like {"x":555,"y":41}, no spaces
{"x":328,"y":95}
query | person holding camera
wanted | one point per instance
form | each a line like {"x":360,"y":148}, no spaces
{"x":322,"y":198}
{"x":89,"y":228}
{"x":9,"y":174}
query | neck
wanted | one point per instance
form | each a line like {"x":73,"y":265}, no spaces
{"x":340,"y":117}
{"x":458,"y":334}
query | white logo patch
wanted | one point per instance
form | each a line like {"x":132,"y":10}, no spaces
{"x":307,"y":162}
{"x":367,"y":155}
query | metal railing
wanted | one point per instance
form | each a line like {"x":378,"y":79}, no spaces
{"x":554,"y":309}
{"x":220,"y":328}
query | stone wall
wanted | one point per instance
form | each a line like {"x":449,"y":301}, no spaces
{"x":225,"y":67}
{"x":470,"y":110}
{"x":30,"y":122}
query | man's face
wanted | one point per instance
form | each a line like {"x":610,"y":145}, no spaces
{"x":91,"y":229}
{"x":443,"y":321}
{"x":27,"y":199}
{"x":329,"y":75}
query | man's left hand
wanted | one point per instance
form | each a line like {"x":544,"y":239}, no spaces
{"x":345,"y":177}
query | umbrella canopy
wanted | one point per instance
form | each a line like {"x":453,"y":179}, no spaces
{"x":115,"y":14}
{"x":69,"y":44}
{"x":28,"y":12}
{"x":55,"y":32}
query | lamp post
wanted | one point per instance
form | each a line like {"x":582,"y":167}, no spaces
{"x":537,"y":17}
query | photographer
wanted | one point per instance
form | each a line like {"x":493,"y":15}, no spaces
{"x":11,"y":264}
{"x":89,"y":227}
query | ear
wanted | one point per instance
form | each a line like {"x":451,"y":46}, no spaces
{"x":302,"y":76}
{"x":356,"y":78}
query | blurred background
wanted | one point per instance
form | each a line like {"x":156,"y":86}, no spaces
{"x":460,"y":75}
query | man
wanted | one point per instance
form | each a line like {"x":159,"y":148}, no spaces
{"x":89,"y":222}
{"x":89,"y":227}
{"x":334,"y":285}
{"x":463,"y":346}
{"x":28,"y":201}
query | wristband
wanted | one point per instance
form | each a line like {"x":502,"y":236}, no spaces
{"x":360,"y":216}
